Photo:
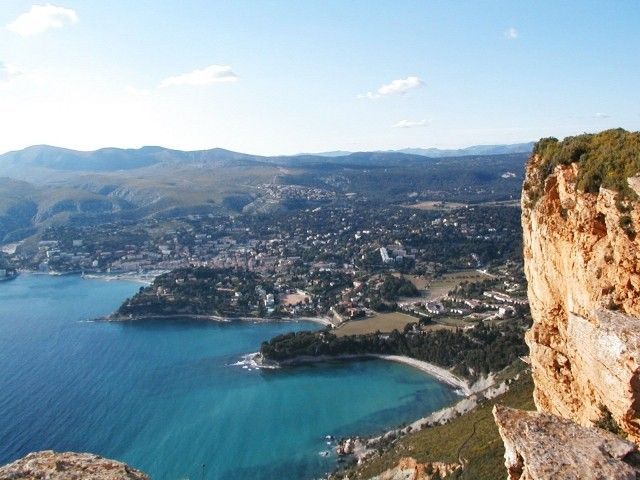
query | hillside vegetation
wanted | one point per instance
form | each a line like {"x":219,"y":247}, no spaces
{"x":605,"y":159}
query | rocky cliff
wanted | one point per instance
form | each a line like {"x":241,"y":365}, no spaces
{"x":582,"y":261}
{"x":49,"y":465}
{"x":580,"y":211}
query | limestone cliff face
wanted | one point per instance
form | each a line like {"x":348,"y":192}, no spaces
{"x":583,"y":271}
{"x":49,"y":465}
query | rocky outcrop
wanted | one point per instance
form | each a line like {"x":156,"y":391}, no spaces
{"x":543,"y":446}
{"x":582,"y":262}
{"x":409,"y":469}
{"x":49,"y":465}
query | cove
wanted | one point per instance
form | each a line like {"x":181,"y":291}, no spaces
{"x":166,"y":397}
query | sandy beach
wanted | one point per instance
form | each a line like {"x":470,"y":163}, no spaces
{"x":441,"y":374}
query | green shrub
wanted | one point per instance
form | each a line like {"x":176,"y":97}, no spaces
{"x":626,"y":223}
{"x":607,"y":422}
{"x":605,"y":159}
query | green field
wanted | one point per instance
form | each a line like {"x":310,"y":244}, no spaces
{"x":383,"y":322}
{"x":440,"y":286}
{"x":431,"y":205}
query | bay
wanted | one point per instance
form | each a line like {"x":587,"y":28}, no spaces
{"x":169,"y":398}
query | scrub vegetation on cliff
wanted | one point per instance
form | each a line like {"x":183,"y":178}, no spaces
{"x":605,"y":159}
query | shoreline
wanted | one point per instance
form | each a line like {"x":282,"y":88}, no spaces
{"x":144,"y":278}
{"x":439,"y":373}
{"x":216,"y":318}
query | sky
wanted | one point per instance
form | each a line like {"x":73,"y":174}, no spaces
{"x":283,"y":77}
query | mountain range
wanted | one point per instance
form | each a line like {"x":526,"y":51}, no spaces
{"x":443,"y":153}
{"x":44,"y":185}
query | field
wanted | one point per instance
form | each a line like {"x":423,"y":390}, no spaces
{"x":472,"y":437}
{"x":294,"y":298}
{"x":441,"y":286}
{"x":420,"y":282}
{"x":432,"y":289}
{"x":384,"y":322}
{"x":453,"y":322}
{"x":431,"y":205}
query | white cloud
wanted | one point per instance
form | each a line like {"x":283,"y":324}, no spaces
{"x":397,"y":87}
{"x":206,"y":76}
{"x":511,"y":33}
{"x":410,"y":124}
{"x":601,"y":115}
{"x":41,"y":18}
{"x":9,"y":73}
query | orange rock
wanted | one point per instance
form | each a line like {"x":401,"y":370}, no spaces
{"x":580,"y":264}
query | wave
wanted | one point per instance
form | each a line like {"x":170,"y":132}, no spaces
{"x":251,"y":361}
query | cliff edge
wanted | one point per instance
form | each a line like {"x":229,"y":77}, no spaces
{"x":50,"y":465}
{"x":582,"y":262}
{"x":580,"y":212}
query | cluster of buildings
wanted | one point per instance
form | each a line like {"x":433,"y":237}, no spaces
{"x":331,"y":253}
{"x":394,"y":253}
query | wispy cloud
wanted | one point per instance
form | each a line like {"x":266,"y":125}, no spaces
{"x":601,"y":115}
{"x":9,"y":73}
{"x":42,"y":18}
{"x":410,"y":124}
{"x":396,"y":87}
{"x":511,"y":33}
{"x":206,"y":76}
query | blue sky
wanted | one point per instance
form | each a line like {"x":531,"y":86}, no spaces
{"x":275,"y":77}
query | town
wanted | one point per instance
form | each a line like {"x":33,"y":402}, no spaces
{"x":387,"y":264}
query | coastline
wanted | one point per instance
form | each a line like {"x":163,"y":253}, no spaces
{"x":143,"y":278}
{"x":441,"y":374}
{"x":216,"y":318}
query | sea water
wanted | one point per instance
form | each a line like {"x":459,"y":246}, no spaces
{"x":173,"y":398}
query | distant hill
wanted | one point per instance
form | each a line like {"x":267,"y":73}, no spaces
{"x":26,"y":164}
{"x":45,"y":185}
{"x":336,"y":153}
{"x":473,"y":150}
{"x":442,"y":153}
{"x":113,"y":159}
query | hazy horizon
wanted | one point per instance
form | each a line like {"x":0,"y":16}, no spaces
{"x":444,"y":149}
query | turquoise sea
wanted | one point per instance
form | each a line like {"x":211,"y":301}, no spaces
{"x":165,"y":397}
